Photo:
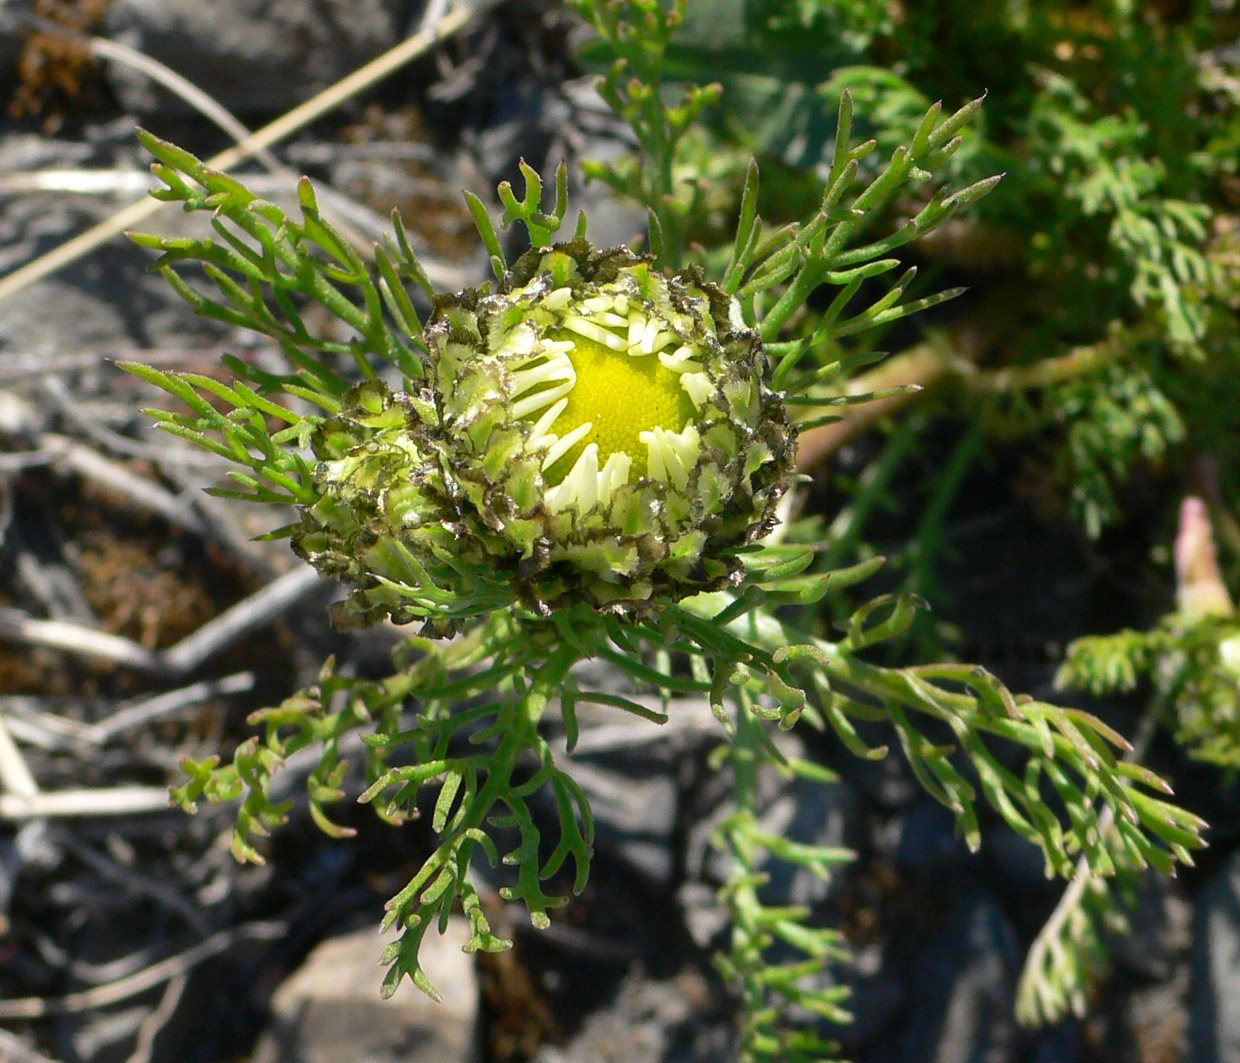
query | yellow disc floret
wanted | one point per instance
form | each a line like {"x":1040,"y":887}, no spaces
{"x":622,"y":394}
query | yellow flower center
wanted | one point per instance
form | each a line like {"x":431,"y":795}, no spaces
{"x":622,"y":395}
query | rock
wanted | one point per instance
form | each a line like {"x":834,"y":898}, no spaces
{"x":330,"y":1009}
{"x":809,"y":813}
{"x":650,"y":1021}
{"x":1141,"y":1010}
{"x":1214,"y":1002}
{"x":887,"y":783}
{"x":1060,"y":1043}
{"x":1159,"y":931}
{"x":876,"y":1000}
{"x":926,"y":846}
{"x":1156,"y":1022}
{"x":255,"y":57}
{"x":627,"y":767}
{"x":962,"y":989}
{"x":635,"y":803}
{"x":706,"y":919}
{"x":106,"y":302}
{"x":1016,"y":869}
{"x":802,"y":810}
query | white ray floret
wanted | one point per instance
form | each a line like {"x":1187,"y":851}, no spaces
{"x":580,"y":487}
{"x":656,"y":468}
{"x":615,"y":474}
{"x":680,"y":360}
{"x":586,"y":485}
{"x":561,"y":446}
{"x":671,"y":455}
{"x":543,"y":380}
{"x":637,"y":326}
{"x":558,"y":299}
{"x":586,"y":479}
{"x":649,"y":334}
{"x":542,"y":427}
{"x":698,"y":387}
{"x":550,"y":357}
{"x":539,"y":400}
{"x":592,"y":331}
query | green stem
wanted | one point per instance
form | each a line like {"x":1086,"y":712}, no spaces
{"x":747,"y":935}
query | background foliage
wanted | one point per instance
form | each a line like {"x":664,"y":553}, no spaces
{"x":1098,"y":340}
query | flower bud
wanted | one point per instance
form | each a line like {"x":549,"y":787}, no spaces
{"x":590,"y":432}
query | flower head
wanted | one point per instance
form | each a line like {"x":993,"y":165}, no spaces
{"x":591,"y":432}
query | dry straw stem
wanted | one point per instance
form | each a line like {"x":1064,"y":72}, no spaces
{"x":222,"y":117}
{"x":256,"y":611}
{"x":86,"y":803}
{"x":15,"y":1049}
{"x":30,"y":722}
{"x":15,"y":774}
{"x":954,"y":357}
{"x":113,"y":51}
{"x":300,"y":116}
{"x":21,"y":798}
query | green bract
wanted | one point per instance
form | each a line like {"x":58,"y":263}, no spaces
{"x":592,"y":431}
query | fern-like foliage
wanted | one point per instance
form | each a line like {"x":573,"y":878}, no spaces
{"x":636,"y":35}
{"x":1188,"y":665}
{"x":1193,"y":667}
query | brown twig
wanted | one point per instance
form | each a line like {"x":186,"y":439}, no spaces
{"x":919,"y":367}
{"x":935,"y":361}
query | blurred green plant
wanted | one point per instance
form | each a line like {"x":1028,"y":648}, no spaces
{"x":1113,"y":233}
{"x":1101,"y":334}
{"x":1189,"y":665}
{"x":430,"y":463}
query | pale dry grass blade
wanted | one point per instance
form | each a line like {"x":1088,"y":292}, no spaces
{"x":287,"y":124}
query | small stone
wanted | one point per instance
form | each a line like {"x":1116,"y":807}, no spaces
{"x":650,"y":1021}
{"x":330,"y":1009}
{"x":962,"y":989}
{"x":252,"y":56}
